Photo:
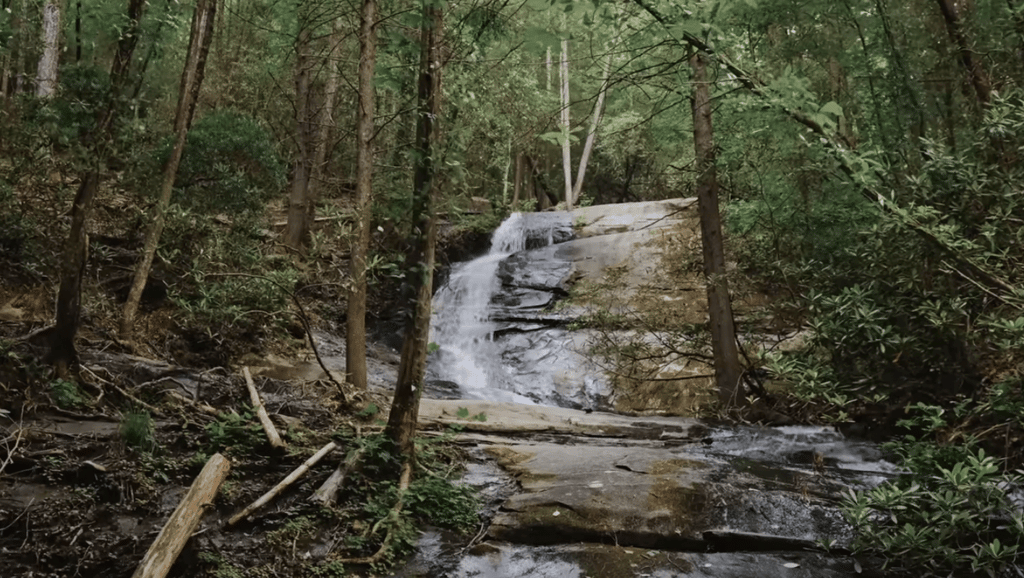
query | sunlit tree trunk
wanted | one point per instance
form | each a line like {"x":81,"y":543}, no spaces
{"x":46,"y":73}
{"x":563,"y":75}
{"x":723,"y":333}
{"x":420,"y":265}
{"x":355,"y":329}
{"x":69,"y":306}
{"x":595,"y":123}
{"x":188,"y":95}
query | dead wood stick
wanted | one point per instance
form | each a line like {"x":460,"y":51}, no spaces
{"x":196,"y":404}
{"x":179,"y":527}
{"x":403,"y":485}
{"x":296,"y":474}
{"x":257,"y":404}
{"x":328,"y":491}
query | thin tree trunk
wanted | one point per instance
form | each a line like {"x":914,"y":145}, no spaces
{"x":972,"y":66}
{"x":563,"y":75}
{"x":723,"y":333}
{"x":5,"y":63}
{"x":595,"y":123}
{"x":188,"y":94}
{"x":62,"y":339}
{"x":78,"y":31}
{"x":517,"y":187}
{"x":298,"y":211}
{"x":355,"y":329}
{"x":46,"y":73}
{"x":547,"y":65}
{"x":327,"y":124}
{"x":405,"y":406}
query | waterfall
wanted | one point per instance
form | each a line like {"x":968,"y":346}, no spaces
{"x":461,"y":325}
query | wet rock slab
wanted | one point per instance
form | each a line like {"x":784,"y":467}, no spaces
{"x":504,"y":560}
{"x":706,"y":501}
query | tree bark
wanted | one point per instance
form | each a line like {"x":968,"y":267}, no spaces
{"x":188,"y":94}
{"x":326,"y":124}
{"x":517,"y":187}
{"x":355,"y":328}
{"x":62,"y":340}
{"x":723,"y":333}
{"x":401,"y":426}
{"x":563,"y":75}
{"x":972,"y":66}
{"x":46,"y":73}
{"x":595,"y":123}
{"x":298,"y":210}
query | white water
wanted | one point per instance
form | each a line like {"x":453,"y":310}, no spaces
{"x":461,"y":324}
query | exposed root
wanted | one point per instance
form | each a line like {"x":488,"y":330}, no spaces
{"x":392,"y":519}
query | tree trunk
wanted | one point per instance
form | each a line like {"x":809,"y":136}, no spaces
{"x":46,"y":73}
{"x":78,"y":31}
{"x":518,"y":186}
{"x":188,"y":94}
{"x":974,"y":69}
{"x":298,"y":211}
{"x":723,"y":333}
{"x":595,"y":122}
{"x":563,"y":75}
{"x":327,"y":124}
{"x":62,"y":340}
{"x":420,"y":264}
{"x":355,"y":329}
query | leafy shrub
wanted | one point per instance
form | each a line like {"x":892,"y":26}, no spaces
{"x":67,"y":394}
{"x":230,"y":164}
{"x":952,"y":514}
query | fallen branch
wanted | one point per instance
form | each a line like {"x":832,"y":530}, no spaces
{"x":196,"y":404}
{"x":179,"y":527}
{"x":403,"y":485}
{"x":261,"y":412}
{"x":296,"y":474}
{"x":328,"y":491}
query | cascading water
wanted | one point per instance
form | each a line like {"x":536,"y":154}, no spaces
{"x":463,"y":324}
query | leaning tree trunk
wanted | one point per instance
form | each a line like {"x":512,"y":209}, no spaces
{"x":420,"y":265}
{"x":723,"y":333}
{"x":188,"y":95}
{"x":563,"y":75}
{"x":355,"y":325}
{"x":46,"y":73}
{"x":69,"y":306}
{"x":595,"y":123}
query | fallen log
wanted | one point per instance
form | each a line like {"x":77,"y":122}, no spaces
{"x":261,"y":412}
{"x":328,"y":491}
{"x":296,"y":474}
{"x":179,"y":527}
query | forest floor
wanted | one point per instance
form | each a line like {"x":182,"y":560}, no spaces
{"x":90,"y":470}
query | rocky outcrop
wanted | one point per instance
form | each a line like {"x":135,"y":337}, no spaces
{"x":660,"y":496}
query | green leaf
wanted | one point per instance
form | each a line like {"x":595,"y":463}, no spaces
{"x":463,"y":413}
{"x":831,"y":107}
